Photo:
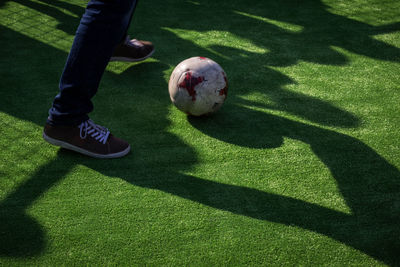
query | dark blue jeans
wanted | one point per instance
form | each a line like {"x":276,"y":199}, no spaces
{"x":101,"y":28}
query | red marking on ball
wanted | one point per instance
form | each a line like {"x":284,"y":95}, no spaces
{"x":203,"y":58}
{"x":224,"y":91}
{"x":189,"y":83}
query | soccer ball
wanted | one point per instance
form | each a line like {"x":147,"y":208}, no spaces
{"x":198,"y":86}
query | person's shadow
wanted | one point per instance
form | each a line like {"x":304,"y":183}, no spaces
{"x":368,"y":183}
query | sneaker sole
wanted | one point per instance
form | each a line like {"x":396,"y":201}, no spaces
{"x":83,"y":151}
{"x":129,"y":59}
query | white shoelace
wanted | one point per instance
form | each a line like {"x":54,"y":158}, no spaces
{"x":133,"y":42}
{"x":98,"y":132}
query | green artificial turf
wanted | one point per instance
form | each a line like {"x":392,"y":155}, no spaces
{"x":299,"y":167}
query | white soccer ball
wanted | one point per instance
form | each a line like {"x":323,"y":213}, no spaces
{"x":198,"y":86}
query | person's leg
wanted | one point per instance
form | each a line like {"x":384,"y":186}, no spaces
{"x":102,"y":27}
{"x":132,"y":50}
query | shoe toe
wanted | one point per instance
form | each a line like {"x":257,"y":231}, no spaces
{"x":117,"y":145}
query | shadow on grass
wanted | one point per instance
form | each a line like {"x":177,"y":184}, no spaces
{"x":20,"y":234}
{"x":55,"y":9}
{"x":369,"y":184}
{"x":289,"y":32}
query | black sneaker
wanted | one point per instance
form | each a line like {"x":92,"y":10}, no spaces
{"x":132,"y":50}
{"x":88,"y":138}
